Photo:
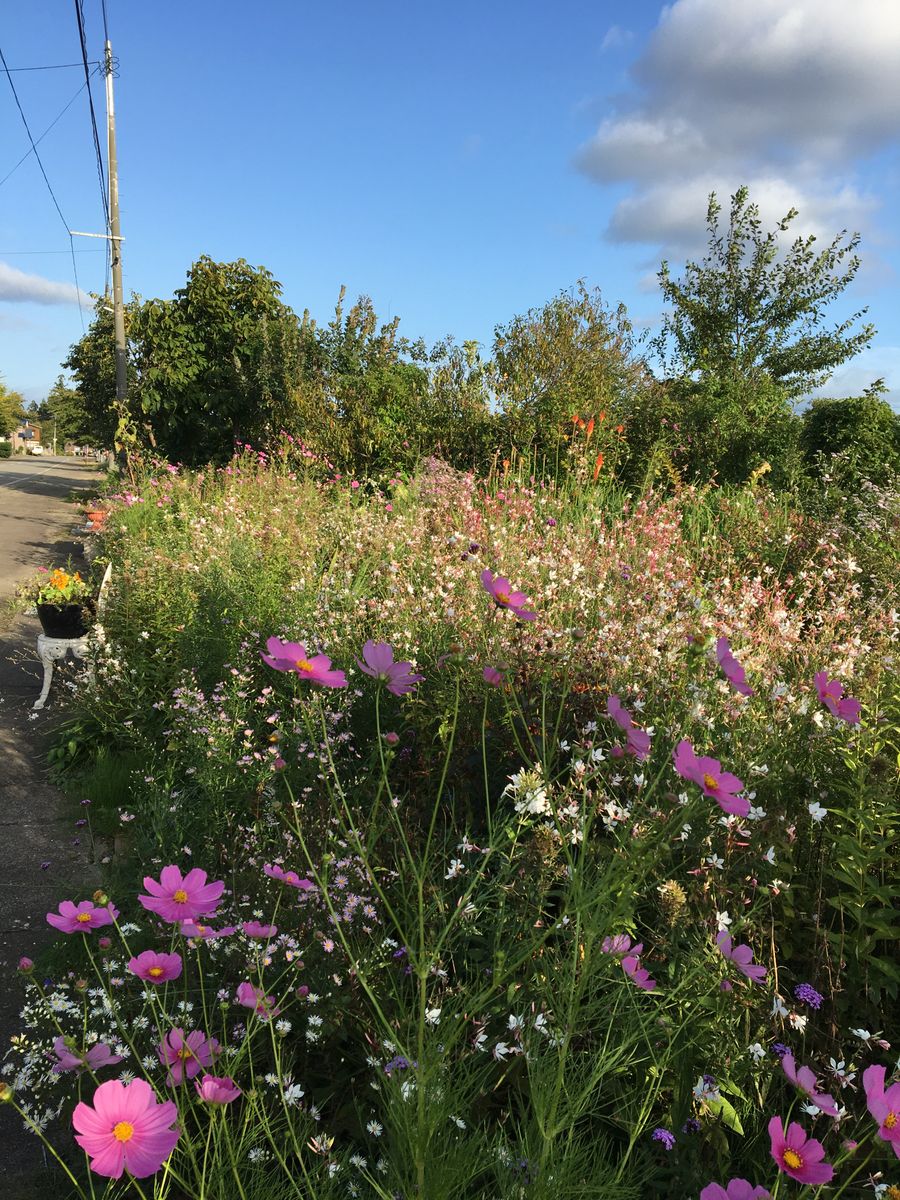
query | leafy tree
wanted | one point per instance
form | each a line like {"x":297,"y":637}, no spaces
{"x":12,"y":409}
{"x":863,"y":431}
{"x":218,"y":363}
{"x":92,"y":362}
{"x":65,"y":407}
{"x":573,"y":357}
{"x":363,"y":385}
{"x":754,"y":308}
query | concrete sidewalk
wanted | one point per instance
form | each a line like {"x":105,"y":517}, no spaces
{"x":42,"y":857}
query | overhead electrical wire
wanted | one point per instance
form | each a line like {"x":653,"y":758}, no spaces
{"x":38,"y":141}
{"x":52,"y":67}
{"x":47,"y":182}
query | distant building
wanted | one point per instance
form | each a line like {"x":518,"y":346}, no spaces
{"x":26,"y":435}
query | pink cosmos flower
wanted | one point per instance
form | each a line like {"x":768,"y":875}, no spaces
{"x":156,"y":968}
{"x":638,"y":975}
{"x":637,"y":740}
{"x":178,"y":898}
{"x":737,"y":1189}
{"x":216,"y":1089}
{"x":831,"y":694}
{"x":500,"y":590}
{"x":804,"y":1078}
{"x":492,"y":676}
{"x":620,"y":944}
{"x":797,"y":1155}
{"x":126,"y":1129}
{"x":379,"y":664}
{"x":741,"y":956}
{"x":256,"y":929}
{"x":98,"y":1056}
{"x":731,"y":668}
{"x":194,"y":929}
{"x":253,"y":997}
{"x":291,"y":877}
{"x":292,"y":656}
{"x":186,"y":1054}
{"x":81,"y":917}
{"x":707,"y":772}
{"x":884,"y":1105}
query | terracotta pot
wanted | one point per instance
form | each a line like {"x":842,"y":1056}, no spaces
{"x":96,"y":517}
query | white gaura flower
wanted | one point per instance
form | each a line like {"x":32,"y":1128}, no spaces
{"x":817,"y":812}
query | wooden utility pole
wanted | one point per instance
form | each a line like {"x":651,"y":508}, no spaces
{"x":115,"y":239}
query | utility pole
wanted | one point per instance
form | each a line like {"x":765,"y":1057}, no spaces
{"x":115,"y":240}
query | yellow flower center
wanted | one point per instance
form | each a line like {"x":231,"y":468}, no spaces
{"x":180,"y":896}
{"x":83,"y":918}
{"x":793,"y":1160}
{"x":303,"y":664}
{"x":501,"y":597}
{"x":890,"y":1120}
{"x":710,"y":782}
{"x":155,"y":972}
{"x":185,"y":1052}
{"x":123,"y":1132}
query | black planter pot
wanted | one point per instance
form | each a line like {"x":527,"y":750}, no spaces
{"x":65,"y":620}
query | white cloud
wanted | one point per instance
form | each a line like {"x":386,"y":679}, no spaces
{"x":17,"y":287}
{"x":878,"y":362}
{"x":616,"y":37}
{"x":786,"y":96}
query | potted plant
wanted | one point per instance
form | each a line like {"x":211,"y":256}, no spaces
{"x":65,"y":607}
{"x":96,"y":514}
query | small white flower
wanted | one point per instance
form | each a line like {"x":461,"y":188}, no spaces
{"x":798,"y":1021}
{"x":723,"y":920}
{"x":756,"y":813}
{"x":757,"y":1051}
{"x":817,"y":812}
{"x":374,"y":1128}
{"x":778,"y":1008}
{"x":501,"y":1050}
{"x":457,"y":867}
{"x":714,"y":861}
{"x":433,"y":1016}
{"x":769,"y":856}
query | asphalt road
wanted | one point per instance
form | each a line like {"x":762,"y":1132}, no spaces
{"x":34,"y":513}
{"x":42,"y":856}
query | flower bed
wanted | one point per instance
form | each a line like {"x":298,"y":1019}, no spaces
{"x":496,"y":841}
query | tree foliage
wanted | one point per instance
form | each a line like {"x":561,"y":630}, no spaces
{"x":863,"y":430}
{"x":12,"y":409}
{"x":755,"y":308}
{"x":218,"y":362}
{"x":572,"y":357}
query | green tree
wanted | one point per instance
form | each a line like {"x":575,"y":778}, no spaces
{"x":360,"y":400}
{"x":218,"y":363}
{"x":12,"y":409}
{"x":92,"y":362}
{"x":65,"y":407}
{"x":572,"y":357}
{"x":864,"y":431}
{"x":755,"y":308}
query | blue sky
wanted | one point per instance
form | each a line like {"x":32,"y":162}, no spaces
{"x":459,"y":164}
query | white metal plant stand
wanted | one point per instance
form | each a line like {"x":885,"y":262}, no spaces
{"x":51,"y":649}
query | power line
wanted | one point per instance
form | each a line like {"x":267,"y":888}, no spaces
{"x":43,"y":135}
{"x":15,"y":253}
{"x":95,"y":62}
{"x":49,"y":188}
{"x":105,"y":22}
{"x":79,"y":16}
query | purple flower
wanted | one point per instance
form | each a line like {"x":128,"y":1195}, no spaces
{"x":501,"y":592}
{"x":67,"y":1059}
{"x":665,"y":1137}
{"x":379,"y":663}
{"x":807,"y":994}
{"x":741,"y":956}
{"x":731,"y":668}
